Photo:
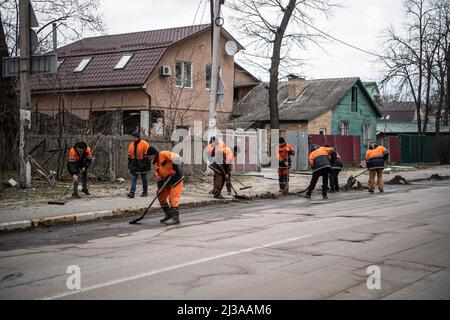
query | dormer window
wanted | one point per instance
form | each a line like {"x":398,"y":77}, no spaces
{"x":58,"y":63}
{"x":84,"y":62}
{"x":123,"y":61}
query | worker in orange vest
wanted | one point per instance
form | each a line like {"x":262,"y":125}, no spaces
{"x":284,"y":152}
{"x":167,"y":165}
{"x":138,"y":163}
{"x":214,"y":146}
{"x":375,"y":158}
{"x":80,"y":158}
{"x":319,"y":160}
{"x":224,"y":159}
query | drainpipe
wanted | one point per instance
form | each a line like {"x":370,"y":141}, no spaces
{"x":149,"y":97}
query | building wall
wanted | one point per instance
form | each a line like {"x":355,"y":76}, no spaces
{"x":184,"y":105}
{"x":365,"y":113}
{"x":321,"y":122}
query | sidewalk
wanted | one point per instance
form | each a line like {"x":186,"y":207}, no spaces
{"x":38,"y":213}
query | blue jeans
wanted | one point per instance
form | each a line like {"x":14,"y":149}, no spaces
{"x":134,"y":180}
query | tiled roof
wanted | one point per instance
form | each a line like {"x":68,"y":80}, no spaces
{"x":318,"y":97}
{"x":147,"y":47}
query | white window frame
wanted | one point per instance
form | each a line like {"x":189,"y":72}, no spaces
{"x":324,"y":131}
{"x":59,"y":62}
{"x":83,"y":64}
{"x":183,"y":63}
{"x":344,"y":127}
{"x":123,"y":61}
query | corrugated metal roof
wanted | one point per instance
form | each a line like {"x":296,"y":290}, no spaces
{"x":318,"y":97}
{"x":406,"y":127}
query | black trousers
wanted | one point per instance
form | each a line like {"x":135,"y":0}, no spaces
{"x":83,"y":181}
{"x":334,"y":182}
{"x":315,"y":177}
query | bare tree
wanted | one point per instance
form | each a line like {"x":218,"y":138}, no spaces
{"x":73,"y":18}
{"x":272,"y":28}
{"x":413,"y":59}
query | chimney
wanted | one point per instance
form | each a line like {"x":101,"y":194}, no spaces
{"x":295,"y":86}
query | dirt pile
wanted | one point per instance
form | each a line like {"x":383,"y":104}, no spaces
{"x":398,"y":179}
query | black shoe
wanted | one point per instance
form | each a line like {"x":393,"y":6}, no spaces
{"x":130,"y":195}
{"x":337,"y":190}
{"x":86,"y":192}
{"x":332,"y":191}
{"x":174,"y":218}
{"x":76,"y":195}
{"x":381,"y":190}
{"x":167,"y":214}
{"x":144,"y":194}
{"x":325,"y":197}
{"x":371,"y":191}
{"x":307,"y":196}
{"x":219,"y":196}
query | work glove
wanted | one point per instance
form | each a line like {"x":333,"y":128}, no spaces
{"x":172,"y":173}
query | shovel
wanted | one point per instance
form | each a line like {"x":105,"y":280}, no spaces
{"x":58,"y":201}
{"x":352,"y":179}
{"x":229,"y":181}
{"x":243,"y":186}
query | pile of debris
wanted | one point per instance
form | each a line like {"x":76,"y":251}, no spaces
{"x":398,"y":179}
{"x":266,"y":195}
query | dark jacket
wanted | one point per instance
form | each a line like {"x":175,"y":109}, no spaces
{"x":336,"y":161}
{"x":77,"y":161}
{"x":375,"y":158}
{"x":138,"y":157}
{"x":320,"y":158}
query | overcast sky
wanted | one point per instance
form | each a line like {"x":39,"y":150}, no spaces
{"x":356,"y":22}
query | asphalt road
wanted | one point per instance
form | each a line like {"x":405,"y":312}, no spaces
{"x":268,"y":249}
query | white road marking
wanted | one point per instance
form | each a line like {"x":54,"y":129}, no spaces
{"x":174,"y":267}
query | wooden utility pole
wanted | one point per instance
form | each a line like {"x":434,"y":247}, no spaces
{"x":25,"y":91}
{"x":214,"y":65}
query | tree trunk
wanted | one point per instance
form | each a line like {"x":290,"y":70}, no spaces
{"x":275,"y":64}
{"x":447,"y":108}
{"x":427,"y":96}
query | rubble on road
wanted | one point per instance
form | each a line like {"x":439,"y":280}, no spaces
{"x":398,"y":179}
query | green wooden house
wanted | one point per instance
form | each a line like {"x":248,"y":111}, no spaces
{"x":336,"y":106}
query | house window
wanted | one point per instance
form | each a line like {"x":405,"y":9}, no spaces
{"x":183,"y":72}
{"x":344,"y":128}
{"x":83,"y":63}
{"x":208,"y":76}
{"x":387,"y":116}
{"x":354,"y":99}
{"x":123,"y":61}
{"x":323,"y":131}
{"x":367,"y":132}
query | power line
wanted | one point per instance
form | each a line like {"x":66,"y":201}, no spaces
{"x":341,"y":41}
{"x":198,"y":7}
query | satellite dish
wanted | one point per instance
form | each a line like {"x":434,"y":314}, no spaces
{"x":231,"y":48}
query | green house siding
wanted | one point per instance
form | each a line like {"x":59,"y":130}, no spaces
{"x":365,"y":114}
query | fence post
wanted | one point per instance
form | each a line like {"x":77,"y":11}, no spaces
{"x":112,"y":172}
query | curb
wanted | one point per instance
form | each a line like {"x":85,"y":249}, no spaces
{"x":25,"y":225}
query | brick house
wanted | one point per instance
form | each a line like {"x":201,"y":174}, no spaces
{"x":153,"y":80}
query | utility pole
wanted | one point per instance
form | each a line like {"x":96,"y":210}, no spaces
{"x":215,"y":65}
{"x":25,"y":90}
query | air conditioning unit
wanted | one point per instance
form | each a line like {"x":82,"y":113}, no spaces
{"x":165,"y":71}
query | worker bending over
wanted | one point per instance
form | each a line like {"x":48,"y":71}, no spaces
{"x":80,"y":158}
{"x":319,"y":160}
{"x":167,"y":166}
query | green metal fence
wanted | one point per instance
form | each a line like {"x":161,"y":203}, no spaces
{"x":424,"y":149}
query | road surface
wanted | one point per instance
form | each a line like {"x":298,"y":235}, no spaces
{"x":267,"y":249}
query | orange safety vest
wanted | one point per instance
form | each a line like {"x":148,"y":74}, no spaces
{"x":163,"y":165}
{"x":322,"y":151}
{"x":74,"y":156}
{"x":141,"y":150}
{"x":378,"y":152}
{"x":283,"y":152}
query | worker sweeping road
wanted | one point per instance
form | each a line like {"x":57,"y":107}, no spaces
{"x":222,"y":166}
{"x":80,"y":158}
{"x":319,"y":160}
{"x":284,"y":152}
{"x":375,"y":158}
{"x":167,"y":165}
{"x":138,"y":163}
{"x":215,"y":146}
{"x":336,"y":167}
